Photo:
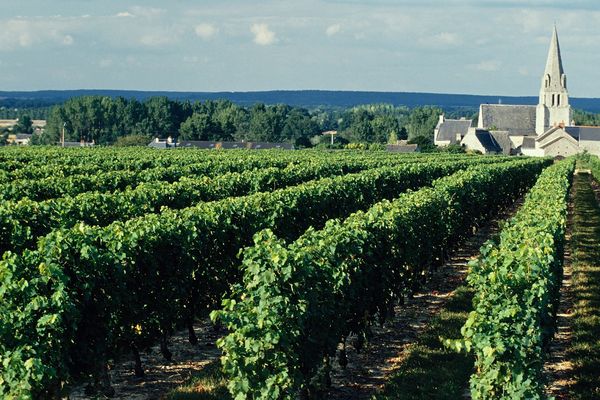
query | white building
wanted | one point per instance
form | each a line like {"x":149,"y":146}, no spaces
{"x":543,"y":130}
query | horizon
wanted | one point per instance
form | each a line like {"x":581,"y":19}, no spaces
{"x":327,"y":45}
{"x":500,"y":97}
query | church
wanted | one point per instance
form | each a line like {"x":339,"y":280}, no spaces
{"x":547,"y":129}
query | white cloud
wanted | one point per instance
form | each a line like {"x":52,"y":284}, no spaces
{"x":155,"y":39}
{"x":124,"y":14}
{"x":447,"y":38}
{"x":27,"y":32}
{"x":333,"y":29}
{"x":206,"y":31}
{"x":262,"y":34}
{"x":487,"y":66}
{"x":68,"y":40}
{"x":442,"y":39}
{"x":147,"y":12}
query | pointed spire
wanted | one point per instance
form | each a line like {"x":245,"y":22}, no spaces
{"x":554,"y":66}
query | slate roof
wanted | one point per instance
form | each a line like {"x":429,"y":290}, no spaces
{"x":75,"y":144}
{"x":402,"y":148}
{"x":591,"y":133}
{"x":487,"y":141}
{"x":203,"y":144}
{"x":517,"y":120}
{"x":267,"y":145}
{"x":448,"y":129}
{"x":158,"y":145}
{"x":503,"y":140}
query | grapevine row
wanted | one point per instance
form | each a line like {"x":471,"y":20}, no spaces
{"x":86,"y":293}
{"x":13,"y":171}
{"x":299,"y":301}
{"x":516,"y":280}
{"x":23,"y":221}
{"x":53,"y":186}
{"x":39,"y":163}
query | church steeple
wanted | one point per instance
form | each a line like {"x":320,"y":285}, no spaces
{"x":554,"y":67}
{"x":553,"y":108}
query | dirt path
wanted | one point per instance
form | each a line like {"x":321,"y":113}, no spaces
{"x":368,"y":371}
{"x":161,"y":375}
{"x":558,"y":368}
{"x":574,"y":362}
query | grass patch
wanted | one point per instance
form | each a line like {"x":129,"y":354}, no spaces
{"x":430,"y":371}
{"x":585,"y":350}
{"x":210,"y":384}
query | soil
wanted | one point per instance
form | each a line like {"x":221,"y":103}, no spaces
{"x":557,"y":367}
{"x":160,"y":375}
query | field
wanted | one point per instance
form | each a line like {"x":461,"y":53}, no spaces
{"x":292,"y":254}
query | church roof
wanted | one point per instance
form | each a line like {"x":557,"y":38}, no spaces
{"x":554,"y":66}
{"x":488,"y":141}
{"x":591,"y":133}
{"x":448,"y":129}
{"x":556,"y":135}
{"x":518,"y":120}
{"x":503,"y":140}
{"x":402,"y":148}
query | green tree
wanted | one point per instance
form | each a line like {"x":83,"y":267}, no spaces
{"x":384,"y":125}
{"x":393,"y":138}
{"x":199,"y":127}
{"x":425,"y":143}
{"x":160,"y":117}
{"x":299,"y":127}
{"x":422,"y":121}
{"x":265,"y":125}
{"x":132,"y":140}
{"x":586,"y":118}
{"x":360,"y":128}
{"x":24,"y":125}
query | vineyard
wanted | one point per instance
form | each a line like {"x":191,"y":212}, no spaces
{"x":108,"y":252}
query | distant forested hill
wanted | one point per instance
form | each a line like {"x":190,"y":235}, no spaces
{"x":303,"y":98}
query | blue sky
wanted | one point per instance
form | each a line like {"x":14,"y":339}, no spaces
{"x":452,"y":46}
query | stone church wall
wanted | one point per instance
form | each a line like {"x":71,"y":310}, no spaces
{"x":593,"y":147}
{"x":561,"y":147}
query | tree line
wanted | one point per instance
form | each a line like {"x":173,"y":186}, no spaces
{"x":586,"y":118}
{"x":107,"y":120}
{"x":117,"y":120}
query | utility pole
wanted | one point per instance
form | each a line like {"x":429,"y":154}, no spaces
{"x":62,"y":136}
